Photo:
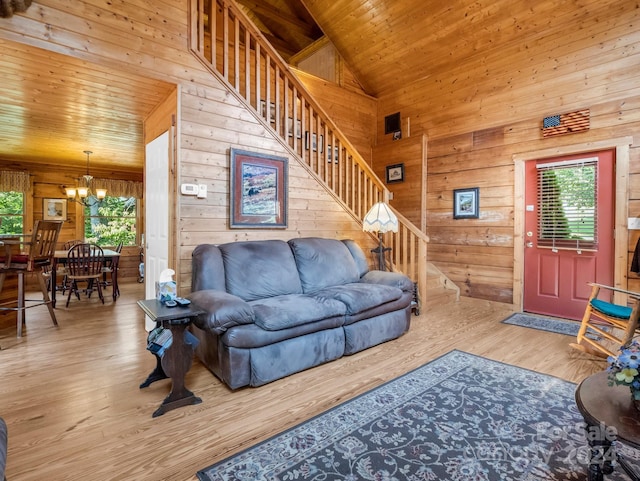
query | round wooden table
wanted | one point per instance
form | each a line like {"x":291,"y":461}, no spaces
{"x":609,"y":415}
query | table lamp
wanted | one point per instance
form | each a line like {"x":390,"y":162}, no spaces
{"x":380,"y":219}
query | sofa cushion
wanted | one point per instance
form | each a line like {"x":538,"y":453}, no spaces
{"x":395,"y":279}
{"x":323,"y":262}
{"x":251,"y":335}
{"x":259,"y":269}
{"x":283,"y":312}
{"x":359,"y":297}
{"x":401,"y":304}
{"x":223,"y":310}
{"x":358,"y":255}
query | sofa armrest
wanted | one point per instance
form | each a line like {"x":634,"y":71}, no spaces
{"x":393,"y":279}
{"x":224,"y":310}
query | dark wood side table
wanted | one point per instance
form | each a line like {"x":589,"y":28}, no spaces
{"x":609,"y":414}
{"x":176,"y":360}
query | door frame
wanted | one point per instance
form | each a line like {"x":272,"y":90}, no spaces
{"x":621,"y":146}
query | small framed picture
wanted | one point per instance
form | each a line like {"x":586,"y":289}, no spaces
{"x":466,"y":203}
{"x":311,"y":141}
{"x":395,"y":173}
{"x":272,"y":111}
{"x":298,"y":128}
{"x":54,"y":209}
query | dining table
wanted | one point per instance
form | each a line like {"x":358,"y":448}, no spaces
{"x":60,"y":257}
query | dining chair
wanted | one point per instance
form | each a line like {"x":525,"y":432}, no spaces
{"x":606,"y":326}
{"x":84,"y":264}
{"x":38,"y":256}
{"x":110,"y":268}
{"x":61,"y":272}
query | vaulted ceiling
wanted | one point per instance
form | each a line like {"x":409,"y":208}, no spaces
{"x":52,"y":107}
{"x":391,"y":44}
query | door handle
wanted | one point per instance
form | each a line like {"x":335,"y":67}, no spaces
{"x":529,"y":244}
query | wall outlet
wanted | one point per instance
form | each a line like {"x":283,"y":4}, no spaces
{"x":202,"y":191}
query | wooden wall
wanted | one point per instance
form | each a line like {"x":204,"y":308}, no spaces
{"x":409,"y":196}
{"x":353,"y":113}
{"x":481,"y":114}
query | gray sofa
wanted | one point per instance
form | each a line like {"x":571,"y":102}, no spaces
{"x":275,"y":308}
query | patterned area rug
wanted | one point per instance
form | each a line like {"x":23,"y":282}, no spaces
{"x":560,"y":326}
{"x":459,"y":417}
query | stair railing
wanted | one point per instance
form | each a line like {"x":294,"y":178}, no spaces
{"x":236,"y":52}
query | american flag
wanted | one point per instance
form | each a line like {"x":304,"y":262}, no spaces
{"x":569,"y":123}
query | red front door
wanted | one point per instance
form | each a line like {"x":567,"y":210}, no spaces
{"x":568,"y":234}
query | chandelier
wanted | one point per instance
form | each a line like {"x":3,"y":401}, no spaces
{"x":84,"y":194}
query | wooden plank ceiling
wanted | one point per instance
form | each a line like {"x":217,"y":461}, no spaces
{"x":391,"y":44}
{"x":53,"y":107}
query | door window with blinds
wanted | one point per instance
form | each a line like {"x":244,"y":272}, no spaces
{"x":567,"y":200}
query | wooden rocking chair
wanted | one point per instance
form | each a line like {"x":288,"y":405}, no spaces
{"x":606,"y":326}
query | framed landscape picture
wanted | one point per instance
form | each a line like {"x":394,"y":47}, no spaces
{"x":258,"y":190}
{"x":466,"y":203}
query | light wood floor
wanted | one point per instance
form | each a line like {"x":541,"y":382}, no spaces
{"x":71,"y":400}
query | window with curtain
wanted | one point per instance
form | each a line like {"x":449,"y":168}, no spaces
{"x":567,"y":200}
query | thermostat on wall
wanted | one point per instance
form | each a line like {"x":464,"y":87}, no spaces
{"x":189,"y":189}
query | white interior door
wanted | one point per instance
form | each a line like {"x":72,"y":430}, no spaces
{"x":157,"y":211}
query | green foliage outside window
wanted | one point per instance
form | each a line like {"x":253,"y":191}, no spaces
{"x":11,"y":212}
{"x":553,"y":222}
{"x":111,"y":221}
{"x":567,"y":206}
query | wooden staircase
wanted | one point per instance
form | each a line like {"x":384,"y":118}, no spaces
{"x":227,"y":43}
